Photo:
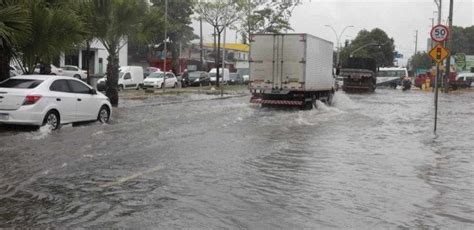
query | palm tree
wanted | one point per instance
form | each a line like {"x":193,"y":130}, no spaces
{"x":14,"y":29}
{"x":114,"y":22}
{"x":55,"y":28}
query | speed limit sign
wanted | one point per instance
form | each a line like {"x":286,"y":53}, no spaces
{"x":439,"y":33}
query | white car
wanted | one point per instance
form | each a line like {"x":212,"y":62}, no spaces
{"x":74,"y":71}
{"x":54,"y":70}
{"x":155,"y":80}
{"x":50,"y":100}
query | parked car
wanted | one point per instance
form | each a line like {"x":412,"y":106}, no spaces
{"x":463,"y":80}
{"x":223,"y":75}
{"x":54,"y":70}
{"x":149,"y":70}
{"x":130,"y":77}
{"x":155,"y":80}
{"x":235,"y":78}
{"x":16,"y":69}
{"x":74,"y":71}
{"x":198,"y":78}
{"x":13,"y":73}
{"x":50,"y":100}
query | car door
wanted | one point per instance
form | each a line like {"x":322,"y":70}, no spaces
{"x":62,"y":96}
{"x":67,"y":71}
{"x":127,"y":80}
{"x":170,"y":80}
{"x":87,"y":106}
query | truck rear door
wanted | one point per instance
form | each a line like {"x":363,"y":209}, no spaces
{"x":277,"y":61}
{"x":292,"y":61}
{"x":261,"y":61}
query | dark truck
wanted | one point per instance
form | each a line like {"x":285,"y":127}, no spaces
{"x":359,"y":75}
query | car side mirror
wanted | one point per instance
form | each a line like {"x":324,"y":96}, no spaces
{"x":93,"y":91}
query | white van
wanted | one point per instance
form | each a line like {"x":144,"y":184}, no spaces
{"x":224,"y":75}
{"x":130,"y":77}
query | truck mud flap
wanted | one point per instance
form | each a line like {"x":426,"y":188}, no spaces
{"x":275,"y":102}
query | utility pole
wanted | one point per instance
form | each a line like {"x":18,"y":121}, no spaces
{"x":439,"y":4}
{"x":223,"y":51}
{"x":416,"y":41}
{"x":449,"y":46}
{"x":201,"y":45}
{"x":432,"y":25}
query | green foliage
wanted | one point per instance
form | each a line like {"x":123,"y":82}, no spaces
{"x":463,"y":40}
{"x":54,"y":29}
{"x":15,"y":24}
{"x":264,"y":16}
{"x":114,"y":23}
{"x":371,"y":44}
{"x":421,"y":60}
{"x":178,"y":26}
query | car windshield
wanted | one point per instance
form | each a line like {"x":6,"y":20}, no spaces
{"x":156,"y":75}
{"x":391,"y":73}
{"x":194,"y":75}
{"x":20,"y":83}
{"x":121,"y":74}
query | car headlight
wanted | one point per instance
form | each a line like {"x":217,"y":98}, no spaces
{"x":197,"y":80}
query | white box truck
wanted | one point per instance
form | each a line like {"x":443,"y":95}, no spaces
{"x":291,"y":69}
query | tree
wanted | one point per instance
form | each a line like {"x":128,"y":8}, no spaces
{"x":421,"y":60}
{"x":219,"y":14}
{"x":371,"y":44}
{"x":115,"y":22}
{"x":463,"y":40}
{"x":55,"y":28}
{"x":179,"y":30}
{"x":15,"y":25}
{"x":264,"y":16}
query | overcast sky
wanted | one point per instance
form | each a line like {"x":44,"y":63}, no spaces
{"x":398,"y":18}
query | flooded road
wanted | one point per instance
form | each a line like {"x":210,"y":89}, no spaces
{"x":197,"y":162}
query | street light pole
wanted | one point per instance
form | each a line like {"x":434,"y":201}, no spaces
{"x":165,"y":42}
{"x":368,"y":44}
{"x":166,"y":35}
{"x":338,"y":44}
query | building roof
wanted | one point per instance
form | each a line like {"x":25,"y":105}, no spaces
{"x":232,"y":46}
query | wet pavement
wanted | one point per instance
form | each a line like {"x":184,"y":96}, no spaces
{"x":198,"y":162}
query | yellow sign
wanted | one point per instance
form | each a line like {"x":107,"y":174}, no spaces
{"x":439,"y":53}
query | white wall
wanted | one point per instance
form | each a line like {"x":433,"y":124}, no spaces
{"x":101,"y":52}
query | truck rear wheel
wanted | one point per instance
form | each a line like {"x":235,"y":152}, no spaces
{"x":330,"y":99}
{"x":308,"y":105}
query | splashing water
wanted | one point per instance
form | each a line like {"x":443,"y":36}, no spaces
{"x":40,"y":134}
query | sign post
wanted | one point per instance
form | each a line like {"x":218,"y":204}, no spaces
{"x":439,"y":33}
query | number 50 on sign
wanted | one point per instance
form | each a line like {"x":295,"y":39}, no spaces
{"x":439,"y":33}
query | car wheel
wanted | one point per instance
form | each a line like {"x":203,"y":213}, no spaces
{"x":52,"y":119}
{"x":77,"y":76}
{"x":175,"y":85}
{"x":120,"y":87}
{"x":104,"y":114}
{"x":162,"y":86}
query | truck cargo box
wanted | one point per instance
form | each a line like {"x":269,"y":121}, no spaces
{"x":280,"y":63}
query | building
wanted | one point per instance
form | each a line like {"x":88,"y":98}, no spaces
{"x":97,"y":57}
{"x":190,"y":57}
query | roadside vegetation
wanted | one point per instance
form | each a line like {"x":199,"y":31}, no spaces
{"x":37,"y":31}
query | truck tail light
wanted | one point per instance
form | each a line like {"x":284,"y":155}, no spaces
{"x":31,"y":99}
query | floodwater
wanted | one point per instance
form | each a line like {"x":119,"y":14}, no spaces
{"x":197,"y":162}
